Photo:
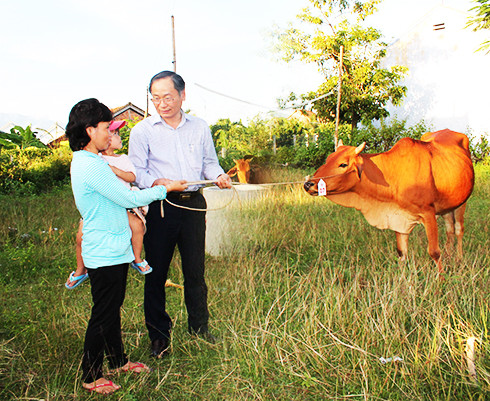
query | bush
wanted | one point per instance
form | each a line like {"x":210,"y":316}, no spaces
{"x":479,"y":148}
{"x":124,"y":133}
{"x":304,"y":145}
{"x":382,"y":138}
{"x":313,"y":146}
{"x":10,"y":172}
{"x":34,"y":170}
{"x":285,"y":155}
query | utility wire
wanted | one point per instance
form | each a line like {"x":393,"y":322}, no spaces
{"x":231,"y":97}
{"x":298,"y":106}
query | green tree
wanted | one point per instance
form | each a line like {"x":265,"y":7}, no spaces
{"x":481,"y":20}
{"x":219,"y":132}
{"x":20,"y":138}
{"x":367,"y":87}
{"x":234,"y":137}
{"x":290,"y":132}
{"x":124,"y":133}
{"x":260,"y":136}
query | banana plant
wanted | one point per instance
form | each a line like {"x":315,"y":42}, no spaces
{"x":20,"y":138}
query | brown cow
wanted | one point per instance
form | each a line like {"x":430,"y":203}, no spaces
{"x":248,"y":173}
{"x":411,"y":183}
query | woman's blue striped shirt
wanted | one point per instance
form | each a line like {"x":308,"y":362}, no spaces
{"x":102,"y":201}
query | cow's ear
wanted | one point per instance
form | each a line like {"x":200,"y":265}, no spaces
{"x":340,"y":143}
{"x":360,"y":148}
{"x":359,"y":168}
{"x":232,"y":172}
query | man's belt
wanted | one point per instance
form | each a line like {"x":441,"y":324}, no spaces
{"x":183,"y":196}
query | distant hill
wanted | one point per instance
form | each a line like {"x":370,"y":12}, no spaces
{"x":24,"y":121}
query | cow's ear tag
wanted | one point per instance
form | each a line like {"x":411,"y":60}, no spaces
{"x":322,"y":188}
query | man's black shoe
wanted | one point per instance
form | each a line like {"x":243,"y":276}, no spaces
{"x":160,"y":347}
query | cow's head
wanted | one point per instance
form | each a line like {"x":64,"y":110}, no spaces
{"x":341,"y":171}
{"x":241,"y":169}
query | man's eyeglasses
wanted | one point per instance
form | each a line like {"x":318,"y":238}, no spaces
{"x":166,"y":100}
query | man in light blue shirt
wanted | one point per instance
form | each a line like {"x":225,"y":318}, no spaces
{"x":168,"y":146}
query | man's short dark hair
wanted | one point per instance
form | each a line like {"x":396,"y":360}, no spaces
{"x":179,"y":83}
{"x":87,"y":113}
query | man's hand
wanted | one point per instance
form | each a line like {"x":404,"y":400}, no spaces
{"x":223,"y":181}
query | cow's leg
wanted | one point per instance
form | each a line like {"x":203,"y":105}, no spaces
{"x":459,"y":227}
{"x":402,"y":246}
{"x":430,"y":224}
{"x":449,"y":223}
{"x":454,"y":221}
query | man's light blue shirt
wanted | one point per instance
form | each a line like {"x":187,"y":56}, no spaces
{"x":184,"y":153}
{"x":102,"y":200}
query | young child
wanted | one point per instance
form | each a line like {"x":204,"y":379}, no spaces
{"x":126,"y":172}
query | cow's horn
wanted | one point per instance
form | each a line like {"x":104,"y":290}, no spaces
{"x":360,"y":148}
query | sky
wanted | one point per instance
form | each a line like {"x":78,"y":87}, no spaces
{"x":54,"y":53}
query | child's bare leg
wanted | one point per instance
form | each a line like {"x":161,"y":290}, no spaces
{"x":137,"y":234}
{"x":81,"y":270}
{"x":80,"y":266}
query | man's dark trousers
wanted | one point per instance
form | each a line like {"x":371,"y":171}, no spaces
{"x":187,"y":230}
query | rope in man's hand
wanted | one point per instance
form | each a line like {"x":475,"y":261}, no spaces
{"x":196,"y":209}
{"x":235,"y":193}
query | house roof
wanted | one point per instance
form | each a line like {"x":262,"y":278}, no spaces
{"x":129,"y":106}
{"x":48,"y":136}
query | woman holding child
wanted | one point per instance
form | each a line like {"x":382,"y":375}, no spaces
{"x":102,"y":201}
{"x":126,"y":172}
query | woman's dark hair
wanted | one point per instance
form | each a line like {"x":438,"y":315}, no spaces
{"x":87,"y":113}
{"x":179,"y":83}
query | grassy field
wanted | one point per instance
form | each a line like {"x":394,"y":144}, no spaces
{"x":306,"y":302}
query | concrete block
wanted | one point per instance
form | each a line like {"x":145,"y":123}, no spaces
{"x":217,"y":221}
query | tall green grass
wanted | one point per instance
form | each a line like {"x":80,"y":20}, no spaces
{"x":306,"y":301}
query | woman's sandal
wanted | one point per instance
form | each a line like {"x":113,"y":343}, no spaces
{"x":139,"y":266}
{"x":102,"y":385}
{"x":133,"y":366}
{"x":136,"y":365}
